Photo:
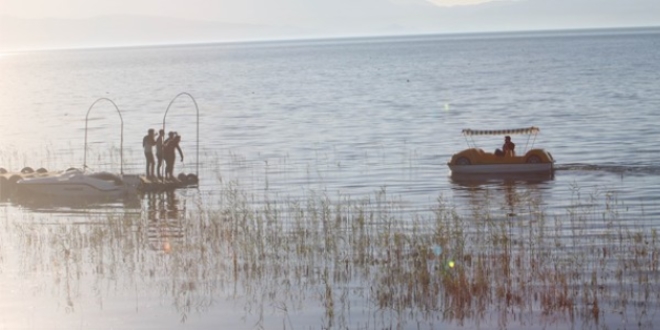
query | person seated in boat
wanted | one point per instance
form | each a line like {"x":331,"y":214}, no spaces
{"x":507,"y":148}
{"x":148,"y":143}
{"x":170,"y":145}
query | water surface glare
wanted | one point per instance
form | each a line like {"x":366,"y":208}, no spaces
{"x":324,"y":193}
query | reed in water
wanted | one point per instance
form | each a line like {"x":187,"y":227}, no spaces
{"x":364,"y":262}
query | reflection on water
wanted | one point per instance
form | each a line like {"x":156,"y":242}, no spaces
{"x":55,"y":204}
{"x":482,"y":180}
{"x":506,"y":190}
{"x":165,"y":219}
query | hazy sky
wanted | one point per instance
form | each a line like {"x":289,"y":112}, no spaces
{"x":201,"y":9}
{"x":237,"y":11}
{"x":65,"y":23}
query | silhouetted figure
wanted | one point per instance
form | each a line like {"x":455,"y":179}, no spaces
{"x":159,"y":152}
{"x":507,"y":147}
{"x":148,"y":143}
{"x":170,"y":146}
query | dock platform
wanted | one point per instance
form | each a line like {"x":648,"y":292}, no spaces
{"x":157,"y":184}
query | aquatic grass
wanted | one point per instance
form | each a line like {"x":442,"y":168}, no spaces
{"x":351,"y":257}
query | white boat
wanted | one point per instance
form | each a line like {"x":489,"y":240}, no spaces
{"x":76,"y":183}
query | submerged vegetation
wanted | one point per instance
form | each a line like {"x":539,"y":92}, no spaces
{"x":363,"y":262}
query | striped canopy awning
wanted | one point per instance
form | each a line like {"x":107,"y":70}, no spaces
{"x":527,"y":130}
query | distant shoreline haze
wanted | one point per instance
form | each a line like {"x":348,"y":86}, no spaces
{"x":19,"y":34}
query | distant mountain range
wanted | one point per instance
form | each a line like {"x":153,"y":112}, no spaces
{"x":104,"y":31}
{"x":396,"y":17}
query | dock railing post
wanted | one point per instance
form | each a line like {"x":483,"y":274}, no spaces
{"x":121,"y":141}
{"x":197,"y":127}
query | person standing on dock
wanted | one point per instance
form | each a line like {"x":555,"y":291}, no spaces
{"x":166,"y":154}
{"x":159,"y":152}
{"x":171,"y":144}
{"x":148,"y":143}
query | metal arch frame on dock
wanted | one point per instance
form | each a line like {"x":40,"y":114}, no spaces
{"x":121,"y":143}
{"x":197,"y":110}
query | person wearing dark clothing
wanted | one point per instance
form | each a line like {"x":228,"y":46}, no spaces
{"x":170,"y":136}
{"x":148,"y":143}
{"x":169,"y":154}
{"x":507,"y":147}
{"x":159,"y":152}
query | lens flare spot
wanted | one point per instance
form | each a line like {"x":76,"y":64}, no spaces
{"x":451,"y":264}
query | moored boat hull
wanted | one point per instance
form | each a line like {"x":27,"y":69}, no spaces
{"x":76,"y":184}
{"x":70,"y":190}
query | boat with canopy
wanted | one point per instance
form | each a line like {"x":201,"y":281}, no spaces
{"x":475,"y":160}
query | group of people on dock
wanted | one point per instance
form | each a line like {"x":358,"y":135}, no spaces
{"x":165,"y":150}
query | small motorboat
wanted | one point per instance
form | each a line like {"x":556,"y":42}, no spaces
{"x":75,"y":183}
{"x":476,"y":161}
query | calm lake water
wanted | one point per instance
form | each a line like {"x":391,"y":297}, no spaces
{"x":286,"y":122}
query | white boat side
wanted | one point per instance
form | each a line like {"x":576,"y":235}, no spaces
{"x":501,"y":168}
{"x":76,"y":184}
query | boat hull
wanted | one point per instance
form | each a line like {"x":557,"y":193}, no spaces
{"x":76,"y":184}
{"x":71,"y":190}
{"x":501,"y":168}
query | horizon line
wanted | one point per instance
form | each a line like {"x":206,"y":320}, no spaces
{"x":502,"y":33}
